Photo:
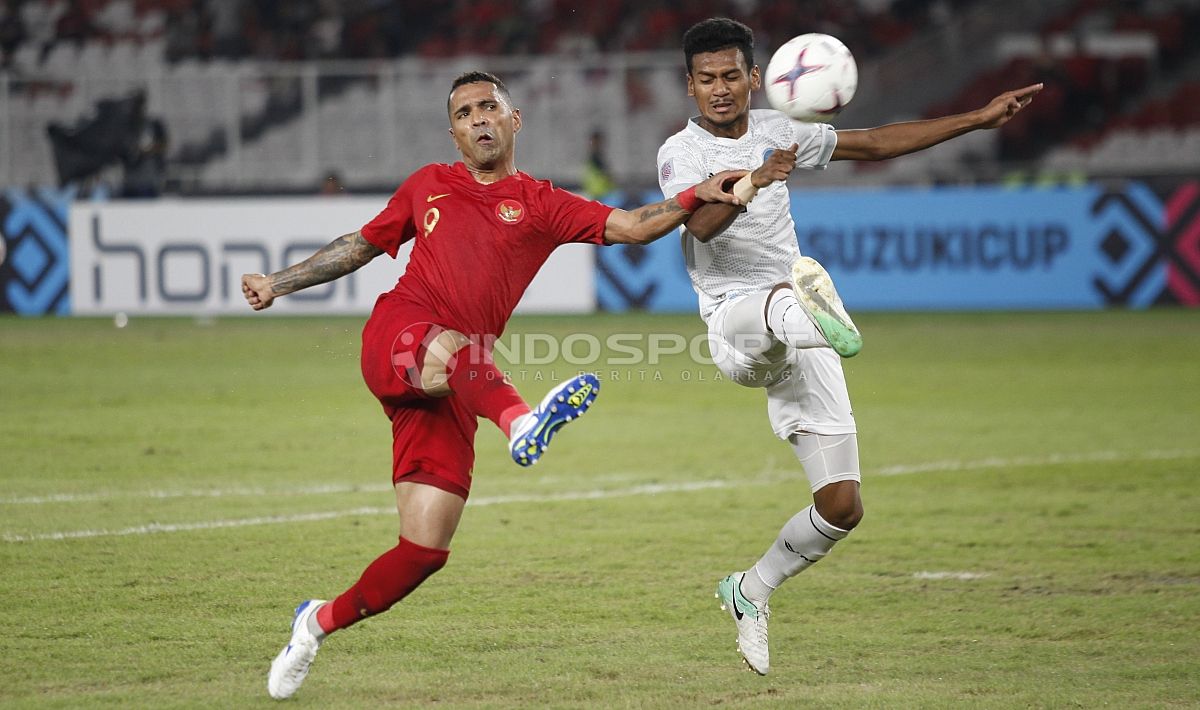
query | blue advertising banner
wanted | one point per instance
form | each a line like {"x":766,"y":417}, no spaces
{"x":34,"y":258}
{"x":967,"y":248}
{"x":1083,"y":247}
{"x":651,"y":277}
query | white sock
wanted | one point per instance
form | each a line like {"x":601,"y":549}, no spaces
{"x":754,"y":589}
{"x":790,"y":323}
{"x":314,"y":627}
{"x":518,"y":424}
{"x":802,"y":542}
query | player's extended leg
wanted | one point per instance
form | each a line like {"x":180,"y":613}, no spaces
{"x":807,"y":312}
{"x":743,"y":347}
{"x":428,"y":518}
{"x":455,"y":365}
{"x":831,"y":464}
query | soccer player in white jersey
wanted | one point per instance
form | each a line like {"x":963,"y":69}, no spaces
{"x":774,"y":317}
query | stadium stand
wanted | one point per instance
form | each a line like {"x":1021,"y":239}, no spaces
{"x":271,"y":95}
{"x":1102,"y":64}
{"x":328,"y":29}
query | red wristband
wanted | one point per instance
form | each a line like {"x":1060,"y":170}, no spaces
{"x":688,"y":200}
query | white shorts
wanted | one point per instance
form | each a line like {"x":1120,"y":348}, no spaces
{"x":806,"y":388}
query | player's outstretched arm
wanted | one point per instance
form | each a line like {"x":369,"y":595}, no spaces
{"x":343,"y":255}
{"x":712,"y":218}
{"x":645,"y":224}
{"x":897,"y":139}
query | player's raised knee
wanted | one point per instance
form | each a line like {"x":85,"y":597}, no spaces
{"x":839,"y":504}
{"x":845,"y":516}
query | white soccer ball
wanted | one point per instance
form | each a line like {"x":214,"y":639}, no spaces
{"x":811,"y":77}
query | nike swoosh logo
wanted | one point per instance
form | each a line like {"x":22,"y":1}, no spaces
{"x":794,"y":551}
{"x":733,"y":598}
{"x":431,"y":198}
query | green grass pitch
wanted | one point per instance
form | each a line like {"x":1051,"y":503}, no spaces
{"x":171,"y":489}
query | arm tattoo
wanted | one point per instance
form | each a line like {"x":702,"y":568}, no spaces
{"x":665,"y":207}
{"x":343,"y":255}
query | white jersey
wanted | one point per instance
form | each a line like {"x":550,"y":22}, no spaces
{"x":757,"y":250}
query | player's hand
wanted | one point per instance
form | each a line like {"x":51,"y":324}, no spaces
{"x":1005,"y":106}
{"x":257,"y":290}
{"x":776,"y":168}
{"x":718,"y":188}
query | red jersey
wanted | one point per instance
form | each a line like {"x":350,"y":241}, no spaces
{"x":478,"y":246}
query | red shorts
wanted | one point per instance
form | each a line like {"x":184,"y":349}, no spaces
{"x":433,"y":438}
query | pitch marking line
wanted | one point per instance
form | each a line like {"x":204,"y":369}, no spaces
{"x":897,"y":470}
{"x":631,"y":491}
{"x":152,"y":528}
{"x":1027,"y":461}
{"x":965,"y":576}
{"x":196,"y":493}
{"x":253,"y":491}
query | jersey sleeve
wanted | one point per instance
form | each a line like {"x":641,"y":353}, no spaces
{"x":394,"y":225}
{"x":816,"y":141}
{"x":678,"y":169}
{"x":574,"y":219}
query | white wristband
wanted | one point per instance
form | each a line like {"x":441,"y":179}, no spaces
{"x":744,"y":189}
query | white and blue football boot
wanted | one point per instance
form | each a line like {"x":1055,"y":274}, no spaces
{"x":531,"y":433}
{"x":290,"y":667}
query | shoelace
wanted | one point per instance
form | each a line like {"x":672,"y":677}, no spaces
{"x":760,"y":626}
{"x":299,"y":671}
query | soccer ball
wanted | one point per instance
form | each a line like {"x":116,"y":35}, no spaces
{"x":811,"y":77}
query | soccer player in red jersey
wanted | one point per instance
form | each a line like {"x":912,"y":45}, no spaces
{"x":482,"y":229}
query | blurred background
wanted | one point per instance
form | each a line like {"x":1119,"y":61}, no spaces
{"x":135,"y":99}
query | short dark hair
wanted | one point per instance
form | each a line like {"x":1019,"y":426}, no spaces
{"x":472,"y":77}
{"x":715,"y":34}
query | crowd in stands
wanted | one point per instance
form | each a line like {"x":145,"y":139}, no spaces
{"x":1094,"y":103}
{"x":1089,"y":93}
{"x":324,"y":29}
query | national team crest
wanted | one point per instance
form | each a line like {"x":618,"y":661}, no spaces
{"x":667,"y":171}
{"x":510,"y":211}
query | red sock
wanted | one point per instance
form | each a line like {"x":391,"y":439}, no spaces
{"x":387,"y":580}
{"x":475,"y":380}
